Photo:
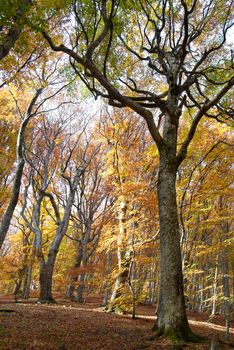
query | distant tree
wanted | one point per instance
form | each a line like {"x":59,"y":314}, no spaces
{"x":205,"y":201}
{"x":89,"y":213}
{"x":51,"y":156}
{"x":133,"y":203}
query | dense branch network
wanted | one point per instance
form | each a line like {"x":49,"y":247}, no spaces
{"x":165,"y":47}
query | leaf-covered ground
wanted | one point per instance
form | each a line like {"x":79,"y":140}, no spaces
{"x":71,"y":326}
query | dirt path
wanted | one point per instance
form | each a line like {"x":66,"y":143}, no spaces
{"x":69,"y":326}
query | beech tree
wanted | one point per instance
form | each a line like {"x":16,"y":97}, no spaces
{"x":89,"y":213}
{"x":53,"y":146}
{"x":163,"y":60}
{"x":205,"y":202}
{"x":40,"y":83}
{"x":7,"y":216}
{"x":8,"y":130}
{"x":127,"y":173}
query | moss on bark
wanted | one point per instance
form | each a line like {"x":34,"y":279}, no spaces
{"x":47,"y":301}
{"x":114,"y":308}
{"x":178,"y":336}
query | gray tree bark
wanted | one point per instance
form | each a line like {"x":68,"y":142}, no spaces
{"x":47,"y":266}
{"x":171,"y":307}
{"x":6,"y":220}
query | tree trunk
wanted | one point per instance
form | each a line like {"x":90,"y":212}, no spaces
{"x":46,"y":279}
{"x":47,"y":267}
{"x":84,"y":262}
{"x":215,"y":286}
{"x":122,"y":265}
{"x":107,"y":284}
{"x":27,"y":283}
{"x":106,"y":294}
{"x":172,"y":319}
{"x":80,"y":289}
{"x":18,"y":284}
{"x":152,"y":288}
{"x":215,"y":342}
{"x":74,"y":278}
{"x":6,"y":219}
{"x":226,"y":293}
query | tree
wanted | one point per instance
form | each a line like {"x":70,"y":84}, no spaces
{"x":6,"y":219}
{"x":205,"y":201}
{"x":54,"y":171}
{"x":46,"y":76}
{"x":13,"y":19}
{"x":169,"y":58}
{"x":89,"y":213}
{"x":8,"y":130}
{"x":133,"y":202}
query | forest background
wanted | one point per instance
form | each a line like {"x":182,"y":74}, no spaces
{"x":83,"y":188}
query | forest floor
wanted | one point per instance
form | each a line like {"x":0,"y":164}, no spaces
{"x":72,"y":326}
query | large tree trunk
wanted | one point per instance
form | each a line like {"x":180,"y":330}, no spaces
{"x":46,"y":279}
{"x":172,"y":319}
{"x":46,"y":271}
{"x":47,"y":266}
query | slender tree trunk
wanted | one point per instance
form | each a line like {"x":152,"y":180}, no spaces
{"x":80,"y":289}
{"x":226,"y":293}
{"x":81,"y":279}
{"x":70,"y":291}
{"x":119,"y":279}
{"x":106,"y":284}
{"x":6,"y":220}
{"x":74,"y":278}
{"x":106,"y":294}
{"x":27,"y":283}
{"x":152,"y":293}
{"x":201,"y":299}
{"x":215,"y":287}
{"x":29,"y":262}
{"x":13,"y":201}
{"x":17,"y":288}
{"x":214,"y":345}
